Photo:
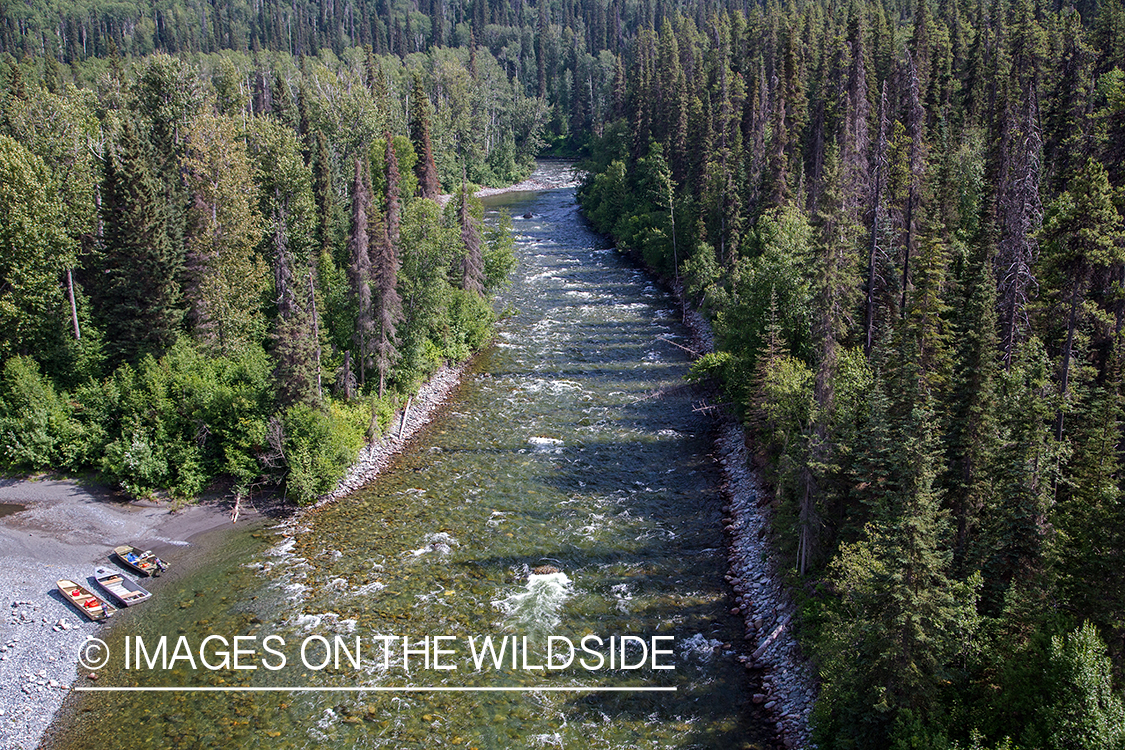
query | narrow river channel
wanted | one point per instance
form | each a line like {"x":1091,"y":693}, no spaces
{"x":560,"y":449}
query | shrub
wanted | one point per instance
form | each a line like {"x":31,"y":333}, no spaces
{"x":319,"y":445}
{"x":35,"y":422}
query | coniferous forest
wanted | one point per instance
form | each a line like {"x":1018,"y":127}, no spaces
{"x":230,"y":266}
{"x":221,"y":255}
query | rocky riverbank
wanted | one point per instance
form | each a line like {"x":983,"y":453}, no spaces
{"x":417,"y":414}
{"x":61,"y":528}
{"x":788,"y":679}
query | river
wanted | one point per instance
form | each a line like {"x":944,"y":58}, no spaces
{"x":565,"y":491}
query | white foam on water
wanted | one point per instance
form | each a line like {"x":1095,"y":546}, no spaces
{"x":546,"y":740}
{"x":621,"y":594}
{"x":699,"y":647}
{"x":308,"y":622}
{"x":545,"y":444}
{"x":282,"y":549}
{"x":554,"y":387}
{"x":367,"y":589}
{"x":537,"y":607}
{"x":440,"y":542}
{"x":327,"y":719}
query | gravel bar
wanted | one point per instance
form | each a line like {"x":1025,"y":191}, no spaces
{"x":65,"y":530}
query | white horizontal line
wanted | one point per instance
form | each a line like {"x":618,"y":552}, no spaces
{"x":233,"y":689}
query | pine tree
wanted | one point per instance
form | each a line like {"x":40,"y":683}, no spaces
{"x":972,"y":440}
{"x":835,"y":294}
{"x":388,"y":305}
{"x":227,"y":275}
{"x":1081,"y":232}
{"x":1091,"y":511}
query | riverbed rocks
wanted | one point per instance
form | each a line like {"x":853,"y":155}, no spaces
{"x":544,"y":570}
{"x":788,"y":679}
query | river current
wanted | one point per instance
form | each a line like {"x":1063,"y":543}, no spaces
{"x":565,"y":493}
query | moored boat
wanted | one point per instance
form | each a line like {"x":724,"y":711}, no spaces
{"x":123,"y":589}
{"x":87,"y":602}
{"x":145,"y":563}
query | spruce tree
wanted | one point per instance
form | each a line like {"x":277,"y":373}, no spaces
{"x":1081,"y":230}
{"x":972,"y":440}
{"x":137,"y":297}
{"x":424,"y":168}
{"x":388,"y":303}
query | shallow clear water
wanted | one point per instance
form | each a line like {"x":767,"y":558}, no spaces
{"x":560,"y":449}
{"x":10,"y":509}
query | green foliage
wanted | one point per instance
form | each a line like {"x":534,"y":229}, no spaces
{"x":1085,"y":713}
{"x":781,"y":271}
{"x":499,"y":252}
{"x":319,"y":445}
{"x":35,"y":423}
{"x":186,"y":418}
{"x":34,"y":252}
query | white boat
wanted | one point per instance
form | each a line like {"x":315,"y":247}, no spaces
{"x":123,"y":589}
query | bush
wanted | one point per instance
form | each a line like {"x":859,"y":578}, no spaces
{"x":34,"y":420}
{"x":319,"y":445}
{"x":183,"y":419}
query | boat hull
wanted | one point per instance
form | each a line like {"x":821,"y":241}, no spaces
{"x":84,"y":600}
{"x":122,"y":589}
{"x":145,"y":563}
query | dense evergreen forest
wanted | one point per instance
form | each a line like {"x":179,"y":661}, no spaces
{"x":221,"y":256}
{"x":223,"y":267}
{"x":907,"y":228}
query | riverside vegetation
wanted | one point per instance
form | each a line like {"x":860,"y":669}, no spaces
{"x":903,"y":217}
{"x":206,"y":278}
{"x":905,"y":221}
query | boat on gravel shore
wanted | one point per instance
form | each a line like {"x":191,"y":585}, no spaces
{"x":85,"y":601}
{"x":123,"y":589}
{"x":145,"y":563}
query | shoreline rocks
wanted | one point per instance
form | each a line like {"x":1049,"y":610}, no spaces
{"x":789,"y":686}
{"x":375,"y":456}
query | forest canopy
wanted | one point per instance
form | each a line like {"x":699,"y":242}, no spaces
{"x":235,"y":266}
{"x":221,"y":255}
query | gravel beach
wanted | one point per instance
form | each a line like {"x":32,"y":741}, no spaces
{"x":64,"y":529}
{"x":53,"y":529}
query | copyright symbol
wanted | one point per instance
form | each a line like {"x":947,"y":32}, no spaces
{"x":93,"y":654}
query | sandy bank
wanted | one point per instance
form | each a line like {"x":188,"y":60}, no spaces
{"x":65,"y":530}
